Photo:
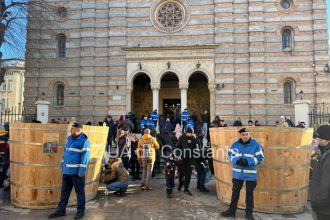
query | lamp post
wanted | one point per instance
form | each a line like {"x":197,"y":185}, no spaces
{"x":301,"y":94}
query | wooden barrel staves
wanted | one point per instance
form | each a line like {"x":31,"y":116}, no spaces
{"x":35,"y":157}
{"x":283,"y":177}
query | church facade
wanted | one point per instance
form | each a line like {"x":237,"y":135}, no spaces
{"x":236,"y":58}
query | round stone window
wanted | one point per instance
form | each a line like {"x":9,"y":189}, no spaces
{"x":62,"y":12}
{"x":286,"y":4}
{"x":170,"y":15}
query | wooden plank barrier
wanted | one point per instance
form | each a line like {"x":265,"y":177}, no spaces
{"x":283,"y":177}
{"x":35,"y":158}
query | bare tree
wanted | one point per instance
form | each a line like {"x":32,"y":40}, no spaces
{"x":15,"y":17}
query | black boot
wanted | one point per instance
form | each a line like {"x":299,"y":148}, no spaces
{"x":79,"y":215}
{"x":56,"y":214}
{"x":203,"y":189}
{"x":228,"y":213}
{"x":169,"y":193}
{"x":249,"y":216}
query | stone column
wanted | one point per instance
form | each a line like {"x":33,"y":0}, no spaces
{"x":301,"y":111}
{"x":211,"y":87}
{"x":183,"y":89}
{"x":129,"y":89}
{"x":42,"y":111}
{"x":155,"y":96}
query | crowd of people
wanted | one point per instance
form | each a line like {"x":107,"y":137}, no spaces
{"x":181,"y":145}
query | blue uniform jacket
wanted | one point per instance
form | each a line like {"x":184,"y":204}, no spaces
{"x":154,"y":116}
{"x":252,"y":152}
{"x":76,"y":155}
{"x":184,"y":116}
{"x":190,"y":124}
{"x":143,"y":124}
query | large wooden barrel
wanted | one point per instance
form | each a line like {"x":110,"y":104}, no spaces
{"x":35,"y":157}
{"x":283,"y":177}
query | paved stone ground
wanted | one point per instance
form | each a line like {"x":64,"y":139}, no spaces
{"x":139,"y":205}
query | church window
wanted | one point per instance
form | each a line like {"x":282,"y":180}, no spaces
{"x":59,"y":94}
{"x":61,"y":12}
{"x":61,"y":45}
{"x":170,"y":15}
{"x":289,"y":91}
{"x":287,"y":39}
{"x":286,"y":4}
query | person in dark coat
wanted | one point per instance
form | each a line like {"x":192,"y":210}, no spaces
{"x":124,"y":145}
{"x":320,"y":181}
{"x":186,"y":145}
{"x":169,"y":170}
{"x":127,"y":124}
{"x":111,"y":125}
{"x":201,"y":164}
{"x":134,"y":163}
{"x":216,"y":122}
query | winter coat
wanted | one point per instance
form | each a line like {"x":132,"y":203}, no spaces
{"x":124,"y":146}
{"x":184,"y":116}
{"x":126,"y":125}
{"x":169,"y":168}
{"x":146,"y":138}
{"x":320,"y":183}
{"x":186,"y":142}
{"x":117,"y":172}
{"x":76,"y":155}
{"x":167,"y":128}
{"x":252,"y":152}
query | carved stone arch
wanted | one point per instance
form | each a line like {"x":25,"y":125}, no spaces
{"x":209,"y":76}
{"x":293,"y":76}
{"x":133,"y":75}
{"x":170,"y":70}
{"x":52,"y":83}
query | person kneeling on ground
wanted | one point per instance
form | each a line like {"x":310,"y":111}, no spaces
{"x":116,"y":176}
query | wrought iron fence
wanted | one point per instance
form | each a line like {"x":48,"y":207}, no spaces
{"x":14,"y":114}
{"x":319,"y":116}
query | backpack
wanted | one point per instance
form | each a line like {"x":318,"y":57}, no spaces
{"x":146,"y":150}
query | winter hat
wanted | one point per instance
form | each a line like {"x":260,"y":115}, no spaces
{"x":77,"y":125}
{"x":323,"y":132}
{"x":189,"y":130}
{"x":243,"y":130}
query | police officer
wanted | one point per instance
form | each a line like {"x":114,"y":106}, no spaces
{"x":184,"y":118}
{"x":320,"y":182}
{"x":187,"y":146}
{"x":74,"y":163}
{"x":245,"y":154}
{"x":154,"y":117}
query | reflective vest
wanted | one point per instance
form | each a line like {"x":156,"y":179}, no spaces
{"x":76,"y":155}
{"x":252,"y":152}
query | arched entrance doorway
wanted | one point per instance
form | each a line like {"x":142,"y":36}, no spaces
{"x":169,"y":96}
{"x":198,"y":94}
{"x":142,"y":95}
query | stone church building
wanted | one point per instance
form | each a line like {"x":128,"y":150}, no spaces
{"x":236,"y":58}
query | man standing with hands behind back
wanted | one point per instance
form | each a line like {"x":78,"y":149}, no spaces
{"x":244,"y":155}
{"x":74,"y":163}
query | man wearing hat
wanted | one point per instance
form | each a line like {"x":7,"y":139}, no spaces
{"x":320,"y":181}
{"x":244,"y":155}
{"x":74,"y":163}
{"x":186,"y":146}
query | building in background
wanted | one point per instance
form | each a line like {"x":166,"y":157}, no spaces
{"x":246,"y":59}
{"x":12,"y":89}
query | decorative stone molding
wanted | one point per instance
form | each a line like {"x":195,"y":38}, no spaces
{"x":183,"y":86}
{"x":155,"y":86}
{"x":212,"y":87}
{"x":169,"y":16}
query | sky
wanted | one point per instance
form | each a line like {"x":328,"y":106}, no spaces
{"x":10,"y":54}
